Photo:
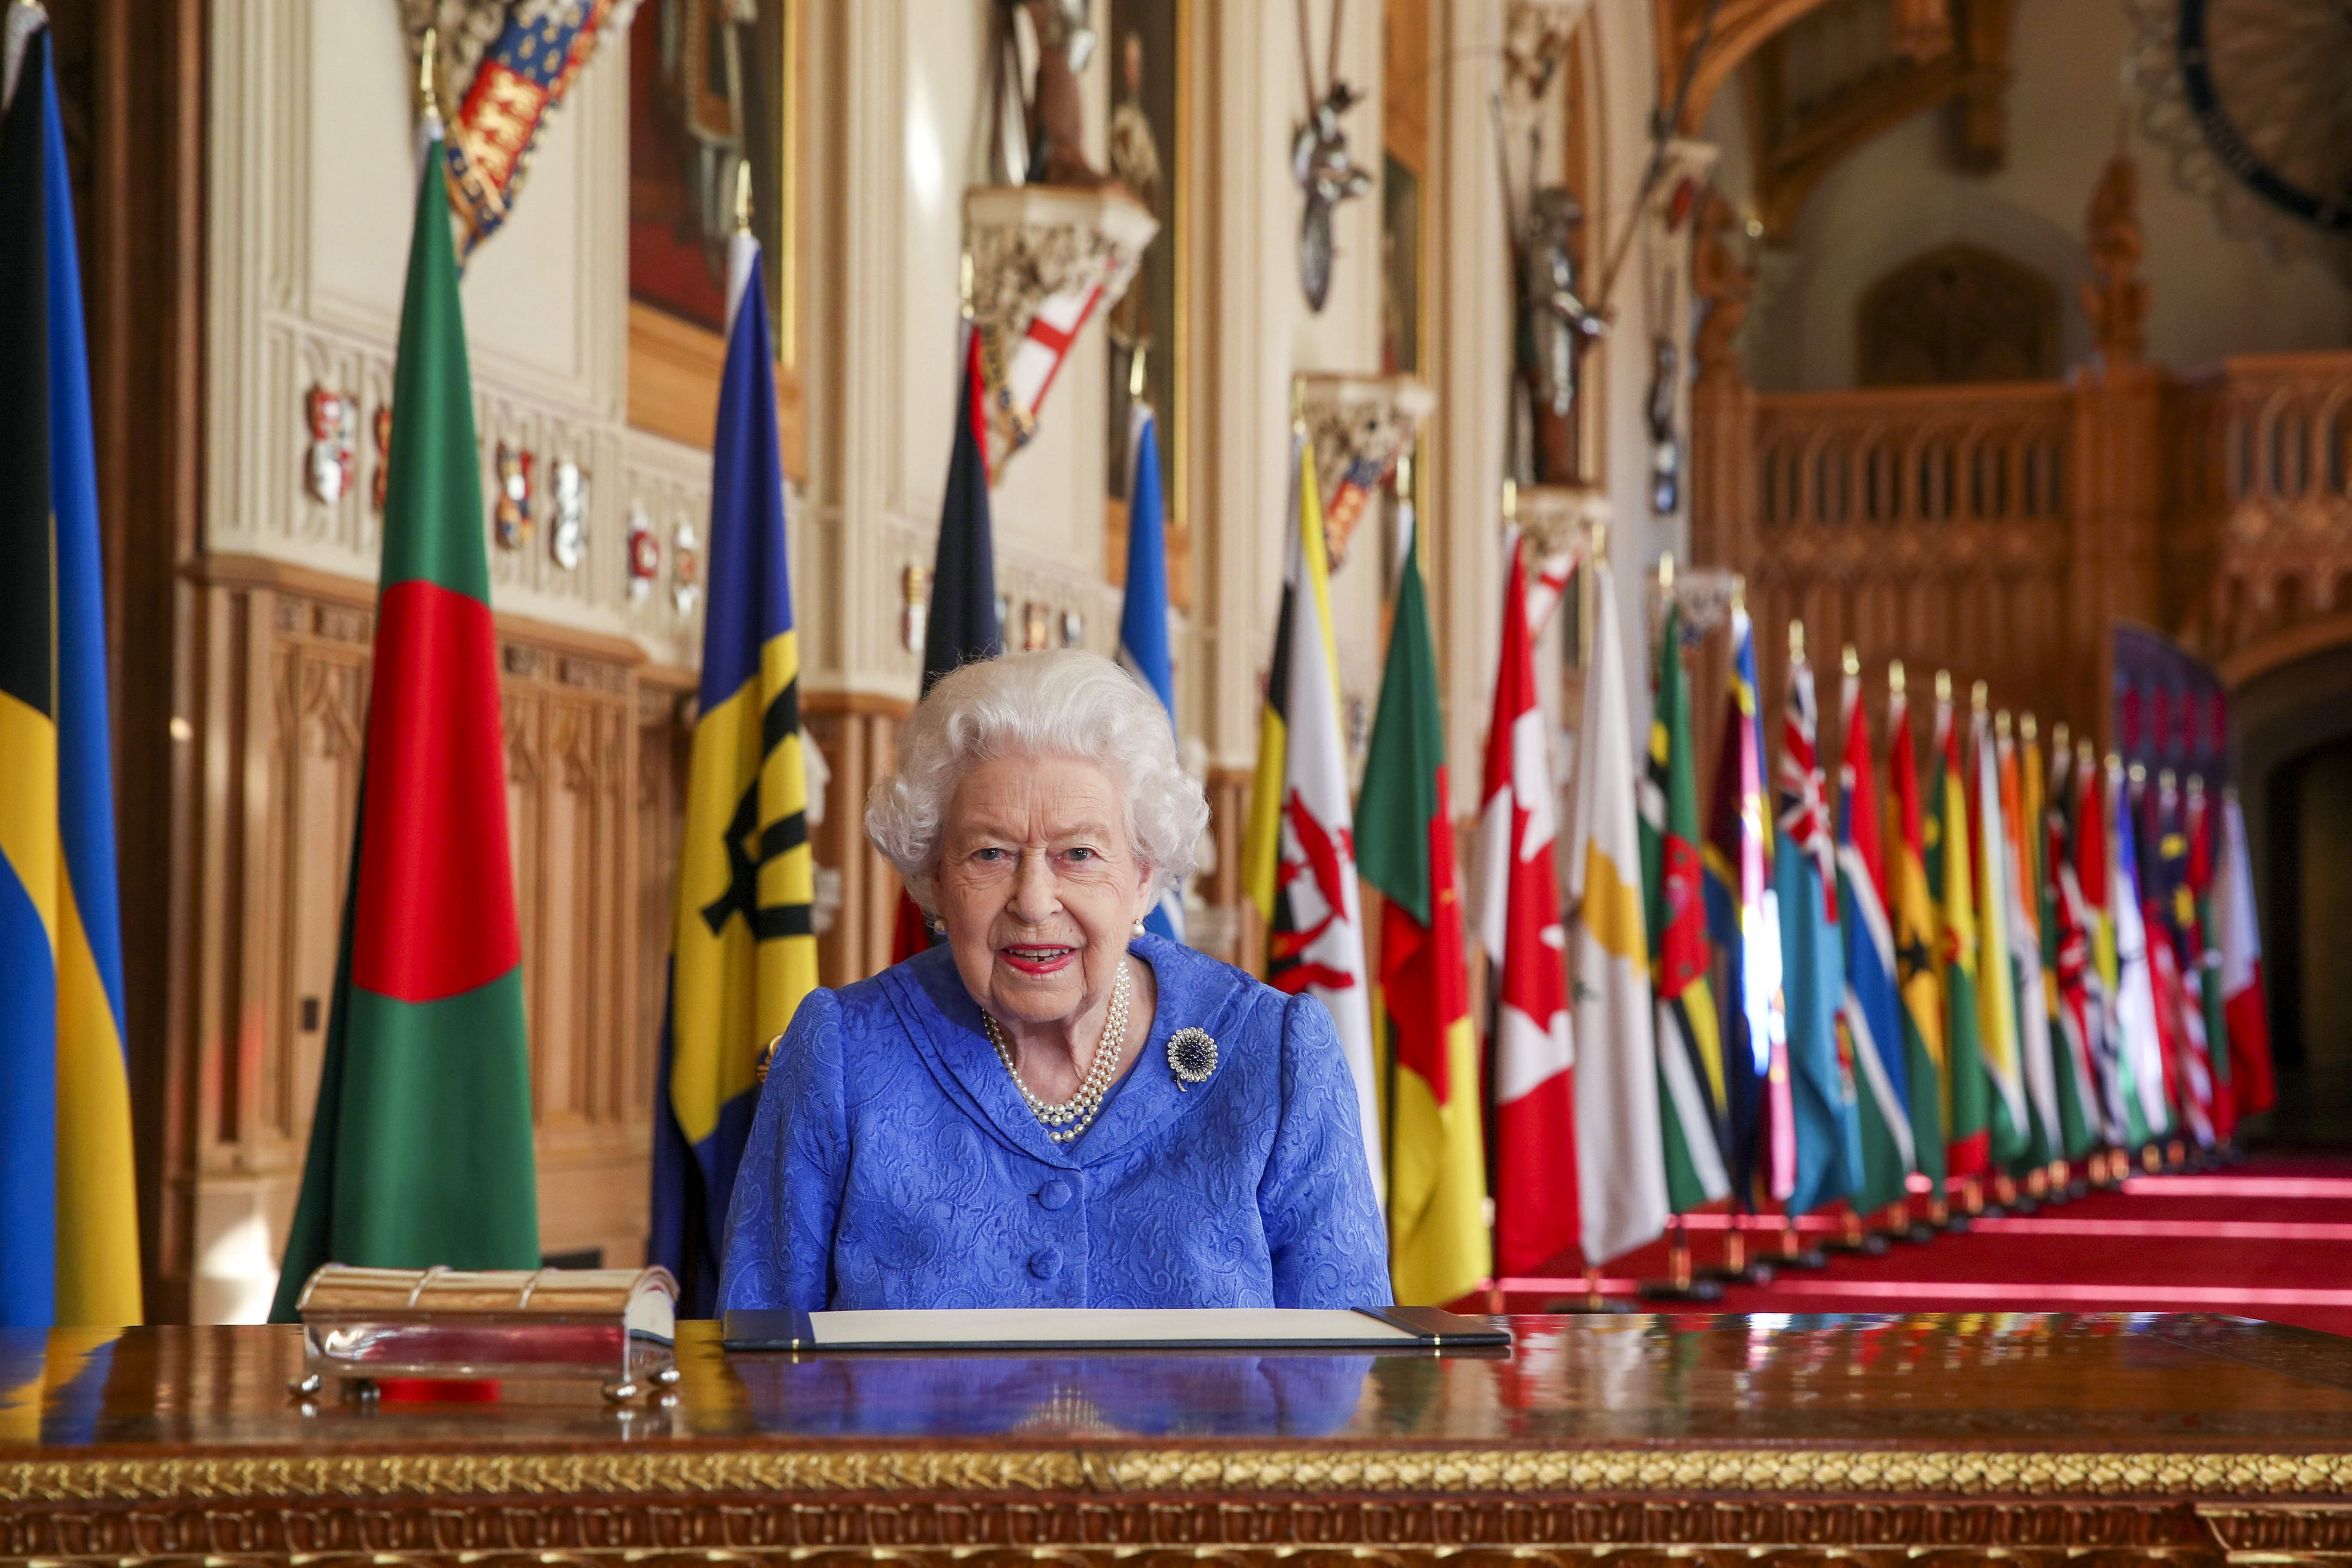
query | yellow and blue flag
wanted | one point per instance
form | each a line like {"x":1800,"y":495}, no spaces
{"x":742,"y":949}
{"x":69,"y":1217}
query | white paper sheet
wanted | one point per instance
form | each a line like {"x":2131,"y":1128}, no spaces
{"x":1094,"y":1325}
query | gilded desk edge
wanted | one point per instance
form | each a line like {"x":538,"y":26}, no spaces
{"x":1468,"y":1471}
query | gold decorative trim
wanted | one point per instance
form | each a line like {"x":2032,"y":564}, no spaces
{"x":2173,"y":1477}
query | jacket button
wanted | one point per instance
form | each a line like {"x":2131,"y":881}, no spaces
{"x":1046,"y":1262}
{"x":1054,"y":1195}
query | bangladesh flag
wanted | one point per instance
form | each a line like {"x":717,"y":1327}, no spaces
{"x":1951,"y":878}
{"x":420,"y":1150}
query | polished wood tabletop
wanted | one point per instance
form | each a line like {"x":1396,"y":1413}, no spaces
{"x":2172,"y":1425}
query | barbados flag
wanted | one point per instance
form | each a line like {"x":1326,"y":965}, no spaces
{"x":69,"y":1221}
{"x":742,"y":951}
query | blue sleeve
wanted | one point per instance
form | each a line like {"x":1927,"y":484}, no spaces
{"x":1322,"y":1223}
{"x":788,"y":1189}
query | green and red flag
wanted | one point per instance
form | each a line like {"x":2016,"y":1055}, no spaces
{"x":1438,"y":1244}
{"x":421,"y":1149}
{"x":1694,"y":1103}
{"x":1967,"y":1140}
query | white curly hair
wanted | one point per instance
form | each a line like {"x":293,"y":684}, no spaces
{"x":1064,"y":702}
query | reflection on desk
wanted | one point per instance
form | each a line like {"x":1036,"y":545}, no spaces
{"x":2167,"y":1438}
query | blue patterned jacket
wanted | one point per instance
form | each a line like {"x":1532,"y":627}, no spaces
{"x":892,"y":1162}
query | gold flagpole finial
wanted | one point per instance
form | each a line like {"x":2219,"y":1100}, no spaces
{"x":2000,"y":723}
{"x":1739,"y":592}
{"x":1979,"y":697}
{"x":428,"y":55}
{"x":1404,"y":475}
{"x":1850,"y":661}
{"x":1796,"y":640}
{"x":1895,"y":677}
{"x":1511,"y":500}
{"x":2025,"y":728}
{"x":963,"y":285}
{"x":1943,"y":686}
{"x":1601,"y":542}
{"x":1666,"y":573}
{"x":2061,"y":737}
{"x":2165,"y":779}
{"x":742,"y":196}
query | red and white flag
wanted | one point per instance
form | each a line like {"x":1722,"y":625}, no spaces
{"x":1519,"y":923}
{"x":2241,"y":941}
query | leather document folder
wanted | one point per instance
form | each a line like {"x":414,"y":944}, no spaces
{"x":1105,"y":1328}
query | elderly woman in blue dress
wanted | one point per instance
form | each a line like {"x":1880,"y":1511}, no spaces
{"x":1051,"y":1108}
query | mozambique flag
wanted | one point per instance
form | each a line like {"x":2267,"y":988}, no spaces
{"x":1951,"y":881}
{"x":1694,"y":1101}
{"x":742,"y":951}
{"x":420,"y":1150}
{"x":1914,"y":916}
{"x":1438,"y":1245}
{"x":69,"y":1223}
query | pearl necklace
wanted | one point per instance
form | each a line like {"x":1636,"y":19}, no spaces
{"x":1080,"y":1108}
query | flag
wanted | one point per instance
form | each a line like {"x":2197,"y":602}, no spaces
{"x":68,"y":1220}
{"x":2175,"y":957}
{"x":742,"y":949}
{"x":1536,"y":1204}
{"x":1915,"y":942}
{"x":2075,"y":1020}
{"x":961,"y":626}
{"x":2203,"y":940}
{"x":2136,"y":1004}
{"x":2020,"y":916}
{"x":1813,"y":960}
{"x":1621,"y":1173}
{"x":1692,"y":1095}
{"x":1952,"y":880}
{"x":421,"y":1149}
{"x":2094,"y":875}
{"x":1438,"y":1245}
{"x":1298,"y":862}
{"x":1744,"y":926}
{"x":1874,"y":1011}
{"x":1143,"y":613}
{"x":2012,"y":1121}
{"x":2241,"y":941}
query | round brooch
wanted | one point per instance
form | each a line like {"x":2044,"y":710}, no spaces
{"x":1192,"y":1057}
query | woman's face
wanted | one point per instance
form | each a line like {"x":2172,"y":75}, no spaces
{"x":1037,"y":886}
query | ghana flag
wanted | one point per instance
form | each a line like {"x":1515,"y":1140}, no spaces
{"x":420,"y":1150}
{"x":743,"y":947}
{"x":69,"y":1229}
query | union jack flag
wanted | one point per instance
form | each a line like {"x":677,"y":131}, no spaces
{"x":1802,"y":794}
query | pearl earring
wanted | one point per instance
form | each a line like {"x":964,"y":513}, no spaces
{"x":1138,"y":928}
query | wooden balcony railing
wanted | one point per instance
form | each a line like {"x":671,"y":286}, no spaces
{"x":2258,"y":555}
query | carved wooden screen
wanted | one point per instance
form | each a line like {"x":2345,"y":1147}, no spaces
{"x":1959,"y":313}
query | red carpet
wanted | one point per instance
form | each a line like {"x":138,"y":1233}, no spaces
{"x":2271,"y":1238}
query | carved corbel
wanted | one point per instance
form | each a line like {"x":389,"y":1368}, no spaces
{"x":1535,"y":35}
{"x":1724,"y":280}
{"x":1044,"y":259}
{"x":1358,"y":425}
{"x":2117,"y":302}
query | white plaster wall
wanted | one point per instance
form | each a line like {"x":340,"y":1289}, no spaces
{"x":2212,"y":295}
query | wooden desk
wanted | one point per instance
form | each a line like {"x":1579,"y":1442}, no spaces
{"x":2106,"y":1440}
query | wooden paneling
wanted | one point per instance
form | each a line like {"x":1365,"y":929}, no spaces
{"x":859,"y":737}
{"x":674,"y":369}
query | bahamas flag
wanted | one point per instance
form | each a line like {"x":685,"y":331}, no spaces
{"x":742,"y":951}
{"x":1143,"y":614}
{"x":420,"y":1150}
{"x":68,"y":1226}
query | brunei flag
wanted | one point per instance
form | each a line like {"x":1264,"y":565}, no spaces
{"x":1694,"y":1101}
{"x":420,"y":1150}
{"x":742,"y":953}
{"x":1914,"y":916}
{"x":1438,"y":1247}
{"x":68,"y":1222}
{"x":1298,"y":861}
